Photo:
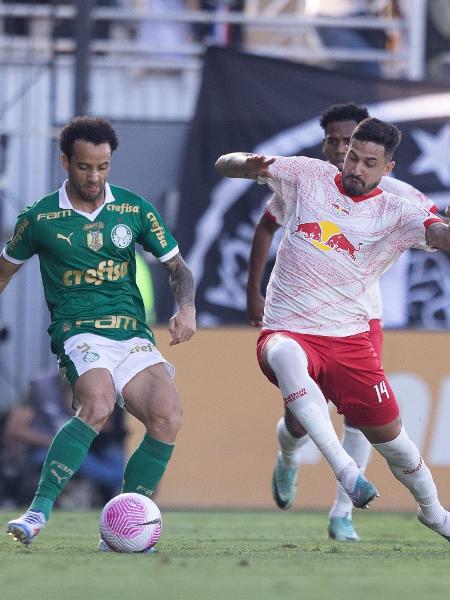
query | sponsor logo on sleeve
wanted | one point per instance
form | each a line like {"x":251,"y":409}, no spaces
{"x":156,"y":229}
{"x":19,"y":234}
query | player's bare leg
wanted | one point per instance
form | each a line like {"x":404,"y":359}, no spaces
{"x":95,"y":397}
{"x":152,"y":398}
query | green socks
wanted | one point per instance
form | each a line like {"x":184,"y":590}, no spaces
{"x":146,"y":466}
{"x":65,"y":455}
{"x":70,"y":445}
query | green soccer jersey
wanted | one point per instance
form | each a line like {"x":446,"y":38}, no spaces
{"x":87,"y":261}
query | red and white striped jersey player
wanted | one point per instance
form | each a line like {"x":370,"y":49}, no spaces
{"x":284,"y":481}
{"x":275,"y":211}
{"x":341,"y":232}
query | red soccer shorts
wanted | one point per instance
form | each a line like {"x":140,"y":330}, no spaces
{"x":348,"y":371}
{"x":376,"y":336}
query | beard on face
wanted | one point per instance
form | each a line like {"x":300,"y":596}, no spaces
{"x":91,"y":197}
{"x":84,"y":194}
{"x":354,"y":186}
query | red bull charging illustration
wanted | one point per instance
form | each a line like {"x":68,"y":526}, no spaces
{"x":326,"y":235}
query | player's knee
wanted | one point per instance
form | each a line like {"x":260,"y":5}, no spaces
{"x":174,"y":416}
{"x":96,"y":411}
{"x":175,"y":420}
{"x":284,"y":355}
{"x":165,"y":427}
{"x":163,"y":422}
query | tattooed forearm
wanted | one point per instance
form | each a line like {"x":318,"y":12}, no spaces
{"x":181,"y":281}
{"x":438,"y":236}
{"x":234,"y":165}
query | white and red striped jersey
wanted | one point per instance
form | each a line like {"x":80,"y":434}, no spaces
{"x":407,"y":191}
{"x":334,"y":247}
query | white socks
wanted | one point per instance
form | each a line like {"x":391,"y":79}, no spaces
{"x":290,"y":446}
{"x":359,"y":448}
{"x":304,"y":399}
{"x":408,"y":466}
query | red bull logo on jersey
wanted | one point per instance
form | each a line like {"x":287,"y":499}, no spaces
{"x":107,"y":270}
{"x":326,"y":235}
{"x":339,"y":209}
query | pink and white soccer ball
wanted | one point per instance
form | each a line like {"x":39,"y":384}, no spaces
{"x":130,"y":523}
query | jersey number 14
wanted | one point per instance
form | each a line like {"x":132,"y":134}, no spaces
{"x":380,"y":389}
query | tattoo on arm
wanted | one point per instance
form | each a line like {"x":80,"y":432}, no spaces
{"x":234,"y":165}
{"x":181,"y":281}
{"x":7,"y":270}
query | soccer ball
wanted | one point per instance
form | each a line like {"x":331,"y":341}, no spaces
{"x":130,"y":523}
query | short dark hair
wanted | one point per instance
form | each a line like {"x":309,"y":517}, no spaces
{"x":343,"y":112}
{"x":90,"y":129}
{"x":379,"y":132}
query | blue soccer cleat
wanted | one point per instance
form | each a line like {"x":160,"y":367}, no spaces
{"x":284,"y":484}
{"x":341,"y":529}
{"x":25,"y":528}
{"x":363,"y":493}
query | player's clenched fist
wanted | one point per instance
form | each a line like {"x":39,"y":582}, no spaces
{"x":182,"y":325}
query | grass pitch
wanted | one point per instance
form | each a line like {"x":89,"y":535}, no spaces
{"x":231,"y":556}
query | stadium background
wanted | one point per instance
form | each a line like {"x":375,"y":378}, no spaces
{"x":176,"y":110}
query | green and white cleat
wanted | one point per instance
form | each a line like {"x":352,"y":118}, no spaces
{"x":25,"y":528}
{"x":363,"y":493}
{"x":284,"y":484}
{"x":442,"y":528}
{"x":103,"y":547}
{"x":341,"y":529}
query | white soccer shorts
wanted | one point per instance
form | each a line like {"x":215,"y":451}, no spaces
{"x":122,"y":358}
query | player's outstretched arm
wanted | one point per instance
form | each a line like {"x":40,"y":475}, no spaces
{"x":182,"y":325}
{"x":438,"y":236}
{"x":244,"y":165}
{"x":7,"y":270}
{"x":262,"y":239}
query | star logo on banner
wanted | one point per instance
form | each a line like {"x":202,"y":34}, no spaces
{"x":435,"y":153}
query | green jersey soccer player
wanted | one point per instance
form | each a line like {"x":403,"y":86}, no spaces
{"x":85,"y":236}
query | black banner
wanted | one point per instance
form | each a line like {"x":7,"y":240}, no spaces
{"x":254,"y":104}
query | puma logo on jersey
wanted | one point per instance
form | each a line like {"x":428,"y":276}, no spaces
{"x":60,"y":236}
